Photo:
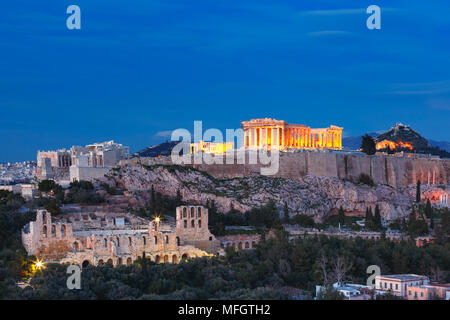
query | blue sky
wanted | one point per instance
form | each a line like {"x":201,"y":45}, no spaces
{"x":137,"y":69}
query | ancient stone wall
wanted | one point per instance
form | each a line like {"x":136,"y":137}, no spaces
{"x":383,"y":169}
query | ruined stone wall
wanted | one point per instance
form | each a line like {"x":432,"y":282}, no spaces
{"x":91,"y":243}
{"x":390,"y":170}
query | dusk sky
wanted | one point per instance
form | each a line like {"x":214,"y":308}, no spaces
{"x":138,"y":69}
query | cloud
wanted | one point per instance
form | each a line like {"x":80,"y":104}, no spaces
{"x":163,"y":134}
{"x":423,"y":88}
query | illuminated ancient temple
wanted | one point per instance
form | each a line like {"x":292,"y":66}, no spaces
{"x":265,"y":133}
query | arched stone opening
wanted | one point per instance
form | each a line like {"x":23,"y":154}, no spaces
{"x":110,"y":262}
{"x":53,"y":230}
{"x":240,"y":245}
{"x":129,"y":262}
{"x":166,"y":258}
{"x":100,"y":262}
{"x":192,"y":224}
{"x":178,"y":241}
{"x":144,"y":241}
{"x":174,"y":258}
{"x":184,"y":257}
{"x":44,"y":231}
{"x":192,"y":212}
{"x":63,"y":230}
{"x":184,"y":212}
{"x":166,"y":239}
{"x":157,"y":259}
{"x":155,"y":240}
{"x":119,"y":261}
{"x":247,"y":245}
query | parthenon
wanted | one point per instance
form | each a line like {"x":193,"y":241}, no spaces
{"x":267,"y":133}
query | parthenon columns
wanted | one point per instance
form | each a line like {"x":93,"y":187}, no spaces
{"x":265,"y":133}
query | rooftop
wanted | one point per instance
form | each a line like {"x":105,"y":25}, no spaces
{"x":403,"y":277}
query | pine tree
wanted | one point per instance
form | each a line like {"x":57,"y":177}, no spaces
{"x":418,"y":191}
{"x":368,"y":145}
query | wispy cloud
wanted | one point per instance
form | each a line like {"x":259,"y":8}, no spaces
{"x":163,"y":134}
{"x":424,"y":88}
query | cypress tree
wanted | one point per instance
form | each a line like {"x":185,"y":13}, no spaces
{"x":341,"y":216}
{"x":377,"y":217}
{"x":418,"y":191}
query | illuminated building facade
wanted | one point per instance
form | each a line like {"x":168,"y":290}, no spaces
{"x":267,"y":133}
{"x":211,"y":147}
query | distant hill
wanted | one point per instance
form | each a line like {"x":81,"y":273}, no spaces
{"x":354,"y":143}
{"x":443,"y":145}
{"x":163,"y":149}
{"x":402,"y":133}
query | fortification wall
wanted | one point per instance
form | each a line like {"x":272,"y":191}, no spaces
{"x":383,"y":169}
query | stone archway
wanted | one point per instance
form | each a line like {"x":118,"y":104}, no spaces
{"x":129,"y":262}
{"x":110,"y":261}
{"x":174,"y":259}
{"x":184,"y":257}
{"x":100,"y":262}
{"x":157,"y":259}
{"x":166,"y":258}
{"x":119,"y":261}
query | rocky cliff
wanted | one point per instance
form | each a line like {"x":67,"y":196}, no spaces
{"x":318,"y":196}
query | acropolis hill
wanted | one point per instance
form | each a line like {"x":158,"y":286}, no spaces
{"x":383,"y":169}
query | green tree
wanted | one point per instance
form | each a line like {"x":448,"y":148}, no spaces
{"x":53,"y":208}
{"x":368,"y":145}
{"x":46,"y":185}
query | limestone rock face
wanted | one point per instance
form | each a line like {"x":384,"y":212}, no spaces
{"x":316,"y":196}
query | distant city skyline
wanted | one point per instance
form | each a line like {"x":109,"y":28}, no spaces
{"x":136,"y":71}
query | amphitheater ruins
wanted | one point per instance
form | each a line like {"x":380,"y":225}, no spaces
{"x":119,"y":238}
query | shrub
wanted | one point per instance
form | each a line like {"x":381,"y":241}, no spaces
{"x":366,"y":179}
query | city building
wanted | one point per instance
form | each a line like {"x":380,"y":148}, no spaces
{"x":267,"y":133}
{"x":80,"y":163}
{"x":428,"y":292}
{"x":119,"y":238}
{"x":211,"y":147}
{"x":397,"y":284}
{"x":350,"y":291}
